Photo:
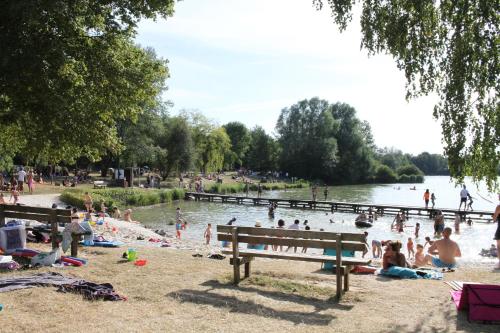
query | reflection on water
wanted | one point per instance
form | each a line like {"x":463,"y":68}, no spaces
{"x":472,"y":239}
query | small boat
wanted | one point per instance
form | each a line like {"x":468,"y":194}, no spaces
{"x":363,"y":224}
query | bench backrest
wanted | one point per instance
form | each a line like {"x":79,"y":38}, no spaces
{"x":40,"y":214}
{"x":288,"y":237}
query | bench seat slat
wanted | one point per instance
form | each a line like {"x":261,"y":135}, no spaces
{"x":306,"y":234}
{"x":310,"y":243}
{"x":346,"y":261}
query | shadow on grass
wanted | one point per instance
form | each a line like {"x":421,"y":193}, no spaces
{"x":317,"y":303}
{"x":249,"y":307}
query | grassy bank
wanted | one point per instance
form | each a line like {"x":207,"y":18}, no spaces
{"x":122,"y":197}
{"x":227,"y":188}
{"x":175,"y":292}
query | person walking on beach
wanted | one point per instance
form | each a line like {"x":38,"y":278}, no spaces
{"x":87,"y":200}
{"x":30,"y":181}
{"x":446,"y":251}
{"x":14,"y":193}
{"x":427,"y":196}
{"x":464,"y":194}
{"x":496,"y":217}
{"x":21,"y":175}
{"x":325,"y":192}
{"x":433,"y":200}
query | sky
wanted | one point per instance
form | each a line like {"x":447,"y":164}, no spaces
{"x":237,"y":60}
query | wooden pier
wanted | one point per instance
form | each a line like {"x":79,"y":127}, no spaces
{"x":336,"y":206}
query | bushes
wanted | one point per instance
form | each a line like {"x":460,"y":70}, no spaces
{"x":384,"y":174}
{"x":122,"y":197}
{"x":241,"y":187}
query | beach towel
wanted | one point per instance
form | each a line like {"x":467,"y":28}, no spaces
{"x":483,"y":301}
{"x":408,"y":273}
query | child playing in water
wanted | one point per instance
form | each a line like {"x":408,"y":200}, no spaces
{"x":419,"y":257}
{"x":208,"y":233}
{"x":178,"y":228}
{"x":409,"y":247}
{"x":417,"y":229}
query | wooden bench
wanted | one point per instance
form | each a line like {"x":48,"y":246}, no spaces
{"x":42,"y":214}
{"x":293,"y":238}
{"x":100,"y":184}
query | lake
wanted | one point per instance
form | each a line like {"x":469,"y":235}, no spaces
{"x":471,"y":239}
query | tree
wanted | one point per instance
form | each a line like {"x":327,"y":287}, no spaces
{"x":451,"y":48}
{"x":69,"y":71}
{"x":431,"y":164}
{"x":216,"y":147}
{"x":307,"y":137}
{"x":354,"y":142}
{"x":385,"y":174}
{"x":409,"y":170}
{"x":179,"y":146}
{"x":263,"y":151}
{"x":240,"y":142}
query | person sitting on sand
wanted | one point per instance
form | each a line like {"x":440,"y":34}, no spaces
{"x":393,"y":256}
{"x":419,"y":257}
{"x":376,"y":248}
{"x":115,"y":213}
{"x":127,"y":216}
{"x":446,"y":249}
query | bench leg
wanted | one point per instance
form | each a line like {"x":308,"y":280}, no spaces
{"x":236,"y":272}
{"x":338,"y":271}
{"x":247,"y":269}
{"x":346,"y":278}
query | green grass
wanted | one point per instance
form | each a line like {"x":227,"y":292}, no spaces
{"x":121,"y":197}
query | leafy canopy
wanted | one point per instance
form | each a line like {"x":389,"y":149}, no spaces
{"x":449,"y":47}
{"x":69,"y":70}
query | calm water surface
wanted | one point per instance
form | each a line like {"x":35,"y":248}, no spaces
{"x":471,"y":239}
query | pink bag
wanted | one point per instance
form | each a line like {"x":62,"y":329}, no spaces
{"x":483,"y":301}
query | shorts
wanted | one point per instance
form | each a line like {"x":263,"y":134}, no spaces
{"x":438,"y":263}
{"x":463,"y":200}
{"x":497,"y":233}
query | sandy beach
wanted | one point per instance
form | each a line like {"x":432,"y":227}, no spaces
{"x":176,"y":291}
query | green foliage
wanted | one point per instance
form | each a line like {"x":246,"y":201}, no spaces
{"x":263,"y":151}
{"x":241,"y":187}
{"x":307,"y":134}
{"x":408,"y":170}
{"x":431,"y":164}
{"x":121,"y":197}
{"x":450,"y":48}
{"x":240,"y":142}
{"x":70,"y":70}
{"x":385,"y":174}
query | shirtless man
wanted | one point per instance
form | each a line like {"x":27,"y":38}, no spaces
{"x":446,"y":249}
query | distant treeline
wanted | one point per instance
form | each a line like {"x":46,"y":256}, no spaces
{"x":315,"y":140}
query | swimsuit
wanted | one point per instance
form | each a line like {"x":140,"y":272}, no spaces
{"x":438,"y":263}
